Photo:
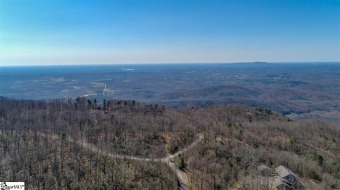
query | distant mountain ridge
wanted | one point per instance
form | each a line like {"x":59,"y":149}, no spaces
{"x":297,"y":88}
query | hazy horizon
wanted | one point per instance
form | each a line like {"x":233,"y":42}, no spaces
{"x":178,"y":63}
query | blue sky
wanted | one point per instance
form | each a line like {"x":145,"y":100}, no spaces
{"x":168,"y":31}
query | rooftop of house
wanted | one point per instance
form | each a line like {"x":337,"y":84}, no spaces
{"x":283,"y":171}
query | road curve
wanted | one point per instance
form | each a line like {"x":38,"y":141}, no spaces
{"x":182,"y":184}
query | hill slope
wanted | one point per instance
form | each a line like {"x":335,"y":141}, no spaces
{"x":236,"y":139}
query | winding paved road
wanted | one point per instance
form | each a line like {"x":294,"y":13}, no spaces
{"x":182,"y":184}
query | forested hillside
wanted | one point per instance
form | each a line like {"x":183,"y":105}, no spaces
{"x":85,"y":144}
